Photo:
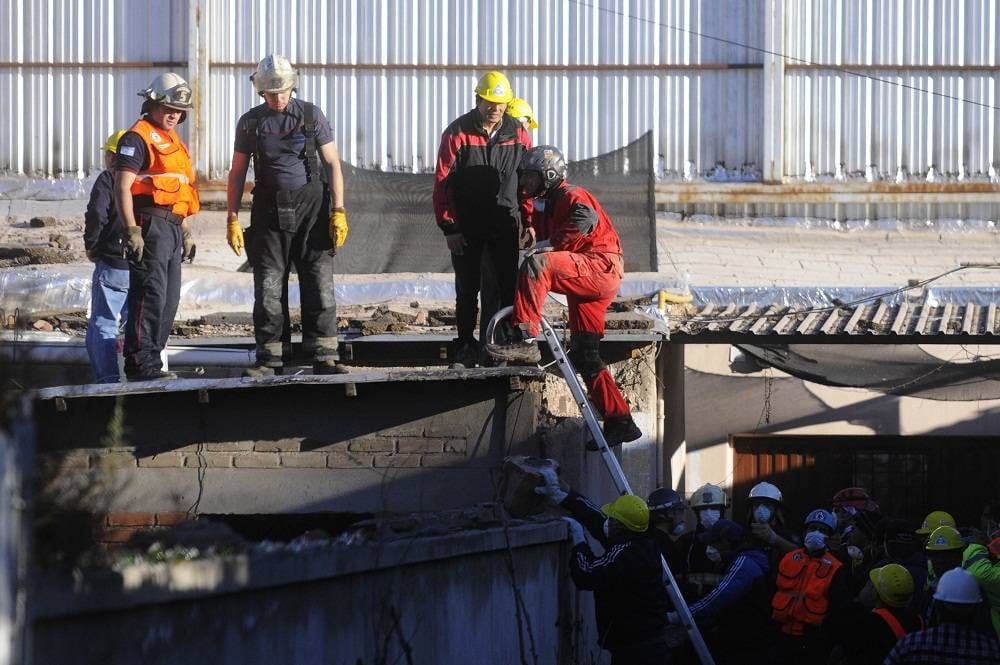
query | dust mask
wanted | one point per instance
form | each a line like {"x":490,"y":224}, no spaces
{"x":678,"y":529}
{"x":708,"y":517}
{"x":815,"y":541}
{"x":762,"y":514}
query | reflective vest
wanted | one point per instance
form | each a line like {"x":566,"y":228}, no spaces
{"x":169,"y":178}
{"x":803,"y":583}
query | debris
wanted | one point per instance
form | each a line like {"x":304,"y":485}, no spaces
{"x":42,"y":325}
{"x":520,"y":476}
{"x":41,"y":222}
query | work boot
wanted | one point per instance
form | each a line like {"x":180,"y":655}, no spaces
{"x":328,"y":366}
{"x":260,"y":371}
{"x":618,"y":430}
{"x":525,"y":352}
{"x":466,"y":355}
{"x":155,"y":375}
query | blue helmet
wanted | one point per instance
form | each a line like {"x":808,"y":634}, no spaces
{"x":824,"y":517}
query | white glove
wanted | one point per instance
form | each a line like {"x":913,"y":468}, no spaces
{"x":551,"y":488}
{"x":673,"y":618}
{"x":855,"y":553}
{"x":575,"y":530}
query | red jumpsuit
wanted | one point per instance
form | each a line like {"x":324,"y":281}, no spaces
{"x":586,"y":266}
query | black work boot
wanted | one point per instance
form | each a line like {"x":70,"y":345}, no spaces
{"x":617,"y":431}
{"x":466,"y":355}
{"x":154,"y":375}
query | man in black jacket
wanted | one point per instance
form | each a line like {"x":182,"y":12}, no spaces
{"x":104,"y":241}
{"x":630,"y":598}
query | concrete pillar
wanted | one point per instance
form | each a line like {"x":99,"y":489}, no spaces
{"x":774,"y":91}
{"x":673,"y":447}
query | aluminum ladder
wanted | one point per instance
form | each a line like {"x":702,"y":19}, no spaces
{"x":614,"y":468}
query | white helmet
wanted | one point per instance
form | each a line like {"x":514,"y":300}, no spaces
{"x":170,"y":90}
{"x":709,"y":495}
{"x":765,"y":490}
{"x":274,"y":74}
{"x":959,"y":587}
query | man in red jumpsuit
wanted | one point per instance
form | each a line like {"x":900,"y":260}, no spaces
{"x":578,"y":254}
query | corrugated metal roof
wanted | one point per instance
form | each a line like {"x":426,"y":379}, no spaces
{"x":948,"y":323}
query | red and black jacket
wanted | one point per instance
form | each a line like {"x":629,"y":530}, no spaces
{"x":475,"y":182}
{"x":574,"y":221}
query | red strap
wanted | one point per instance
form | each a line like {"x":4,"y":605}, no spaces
{"x":894,"y":625}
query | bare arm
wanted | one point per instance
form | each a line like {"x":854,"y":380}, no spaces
{"x":237,"y":180}
{"x":123,"y":197}
{"x":336,"y":177}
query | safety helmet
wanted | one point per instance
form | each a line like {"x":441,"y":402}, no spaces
{"x":274,"y":74}
{"x":630,"y":510}
{"x":518,"y":108}
{"x":548,"y":161}
{"x":494,"y":87}
{"x":824,"y":517}
{"x":935,"y":519}
{"x":894,"y":584}
{"x":111,"y":143}
{"x":959,"y":587}
{"x":944,"y":538}
{"x":709,"y":495}
{"x":170,"y":90}
{"x":664,"y":500}
{"x":855,"y":497}
{"x":765,"y":490}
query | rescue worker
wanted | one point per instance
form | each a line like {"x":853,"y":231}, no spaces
{"x":581,"y":258}
{"x":476,"y":204}
{"x":899,"y":546}
{"x":873,"y":633}
{"x":954,"y":637}
{"x":733,"y":615}
{"x":155,"y":196}
{"x":982,"y":561}
{"x":766,"y":519}
{"x":103,"y":239}
{"x":704,"y":569}
{"x":630,"y":598}
{"x":668,"y":528}
{"x":858,"y":519}
{"x":934,"y":519}
{"x":297,"y":218}
{"x":944,"y":552}
{"x":811,"y":591}
{"x":521,"y":111}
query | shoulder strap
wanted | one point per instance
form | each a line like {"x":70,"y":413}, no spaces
{"x":311,"y":150}
{"x":252,"y":127}
{"x":894,"y":625}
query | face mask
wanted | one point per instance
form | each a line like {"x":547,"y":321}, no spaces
{"x":713,"y":554}
{"x":678,"y":529}
{"x":815,"y":541}
{"x":607,"y":528}
{"x":762,"y":514}
{"x":708,"y":517}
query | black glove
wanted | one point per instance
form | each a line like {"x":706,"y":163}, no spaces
{"x":134,"y":244}
{"x":188,"y":252}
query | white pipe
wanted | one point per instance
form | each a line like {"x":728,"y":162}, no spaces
{"x":75,"y":353}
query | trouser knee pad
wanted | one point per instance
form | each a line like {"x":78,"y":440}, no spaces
{"x":585,"y":354}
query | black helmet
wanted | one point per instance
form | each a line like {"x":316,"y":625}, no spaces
{"x":663,"y":500}
{"x":548,"y":161}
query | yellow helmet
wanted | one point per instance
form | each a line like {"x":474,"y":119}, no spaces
{"x":517,"y":108}
{"x":494,"y":87}
{"x":630,"y":510}
{"x":935,"y":519}
{"x":893,"y":583}
{"x":111,"y":143}
{"x":945,"y":538}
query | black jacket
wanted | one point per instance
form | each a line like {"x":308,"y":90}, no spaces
{"x":630,"y":599}
{"x":102,"y":231}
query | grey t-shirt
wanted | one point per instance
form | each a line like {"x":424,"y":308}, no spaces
{"x":282,"y":161}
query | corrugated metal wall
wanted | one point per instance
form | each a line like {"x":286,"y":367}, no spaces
{"x":391,"y":74}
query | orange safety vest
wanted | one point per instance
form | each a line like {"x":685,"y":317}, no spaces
{"x":169,"y":178}
{"x":894,"y":624}
{"x":801,"y":598}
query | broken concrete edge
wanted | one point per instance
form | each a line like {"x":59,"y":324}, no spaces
{"x":367,"y":376}
{"x":150,"y":584}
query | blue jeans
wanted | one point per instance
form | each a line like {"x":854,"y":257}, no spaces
{"x":108,"y":299}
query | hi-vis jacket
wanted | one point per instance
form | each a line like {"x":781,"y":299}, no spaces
{"x":169,"y":177}
{"x":802,"y":596}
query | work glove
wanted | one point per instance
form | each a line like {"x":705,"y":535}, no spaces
{"x":234,"y":235}
{"x":456,"y":243}
{"x":855,"y":553}
{"x":188,"y":246}
{"x":575,"y":530}
{"x":134,"y":244}
{"x":550,"y":488}
{"x":338,"y":227}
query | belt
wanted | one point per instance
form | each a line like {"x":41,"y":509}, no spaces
{"x":163,"y":214}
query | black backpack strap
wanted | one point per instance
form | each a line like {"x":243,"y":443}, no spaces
{"x":311,"y":151}
{"x":251,"y":125}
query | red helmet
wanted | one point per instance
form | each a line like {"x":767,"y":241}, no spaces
{"x":855,"y":497}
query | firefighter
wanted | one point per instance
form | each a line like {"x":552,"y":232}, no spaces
{"x":873,"y":633}
{"x":766,"y":519}
{"x":668,"y":528}
{"x":703,"y":566}
{"x":944,"y":552}
{"x":580,"y":257}
{"x":811,"y":591}
{"x":104,"y":242}
{"x":155,"y":196}
{"x":630,"y":597}
{"x":297,"y":218}
{"x":476,"y":204}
